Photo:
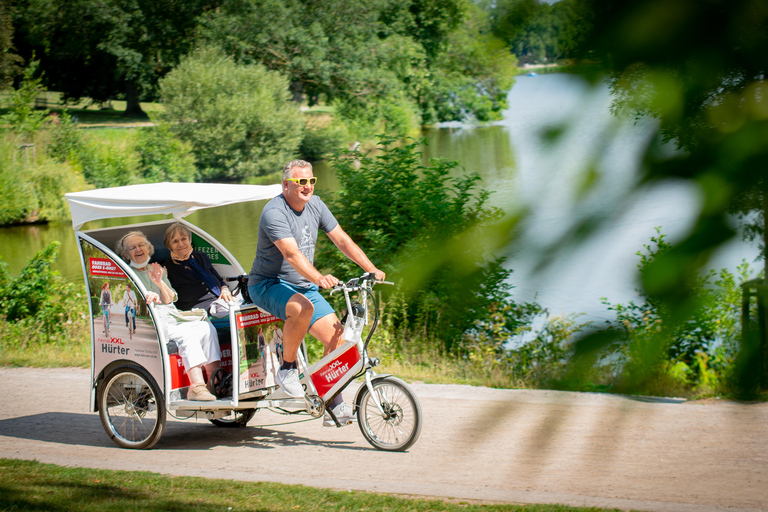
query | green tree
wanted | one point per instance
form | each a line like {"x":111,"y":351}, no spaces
{"x":10,"y":62}
{"x":382,"y":63}
{"x":22,"y":117}
{"x":108,"y":49}
{"x":238,"y":118}
{"x":473,"y":76}
{"x":536,"y":31}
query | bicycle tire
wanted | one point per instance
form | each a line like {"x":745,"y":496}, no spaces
{"x":238,"y":419}
{"x":400,"y":425}
{"x":131,"y":407}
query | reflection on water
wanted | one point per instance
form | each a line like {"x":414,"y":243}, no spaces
{"x":486,"y":150}
{"x":584,"y":169}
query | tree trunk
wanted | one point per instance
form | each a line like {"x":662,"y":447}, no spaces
{"x":132,"y":105}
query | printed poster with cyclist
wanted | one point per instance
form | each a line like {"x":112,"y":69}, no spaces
{"x":260,"y":342}
{"x":122,"y":326}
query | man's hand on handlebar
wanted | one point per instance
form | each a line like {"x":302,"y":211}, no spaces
{"x":379,"y":275}
{"x":327,"y":281}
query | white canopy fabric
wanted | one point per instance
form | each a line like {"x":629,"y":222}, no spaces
{"x":179,"y":199}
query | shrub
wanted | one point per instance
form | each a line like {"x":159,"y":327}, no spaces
{"x":39,"y":306}
{"x":66,"y":143}
{"x":321,"y":139}
{"x":17,"y":195}
{"x":411,"y":221}
{"x":22,"y":117}
{"x":695,"y":355}
{"x":163,"y":157}
{"x":238,"y":118}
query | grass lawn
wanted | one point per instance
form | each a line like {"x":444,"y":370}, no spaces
{"x":31,"y":485}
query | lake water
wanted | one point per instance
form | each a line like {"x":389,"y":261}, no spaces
{"x":527,"y":167}
{"x":544,"y":175}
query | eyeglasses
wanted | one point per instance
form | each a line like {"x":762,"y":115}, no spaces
{"x":303,"y":181}
{"x":139,"y":245}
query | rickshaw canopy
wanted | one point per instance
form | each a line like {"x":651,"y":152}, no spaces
{"x":179,"y":199}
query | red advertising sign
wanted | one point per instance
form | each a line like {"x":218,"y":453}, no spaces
{"x":104,"y":267}
{"x":254,"y":318}
{"x":326,"y":376}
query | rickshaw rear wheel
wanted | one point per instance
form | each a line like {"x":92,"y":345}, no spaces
{"x":237,"y":419}
{"x":131,"y":407}
{"x":400,"y":424}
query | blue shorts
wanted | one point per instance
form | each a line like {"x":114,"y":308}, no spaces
{"x":272,"y":295}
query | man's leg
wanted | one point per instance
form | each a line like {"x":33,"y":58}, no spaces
{"x":298,"y":313}
{"x":328,"y":330}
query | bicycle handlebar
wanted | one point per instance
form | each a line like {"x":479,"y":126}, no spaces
{"x":358,"y":283}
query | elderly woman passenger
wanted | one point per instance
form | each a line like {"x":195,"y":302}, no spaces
{"x":191,"y":272}
{"x":197,"y":341}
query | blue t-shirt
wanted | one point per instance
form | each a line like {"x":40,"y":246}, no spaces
{"x":278,"y":220}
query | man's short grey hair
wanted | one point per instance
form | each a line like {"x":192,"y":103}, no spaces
{"x":288,"y":169}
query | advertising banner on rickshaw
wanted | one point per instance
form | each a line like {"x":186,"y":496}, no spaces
{"x":260,"y":342}
{"x":122,"y":326}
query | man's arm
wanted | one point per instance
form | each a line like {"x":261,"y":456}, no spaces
{"x":351,"y":250}
{"x":290,"y":250}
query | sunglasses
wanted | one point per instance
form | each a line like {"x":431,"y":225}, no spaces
{"x":303,"y":181}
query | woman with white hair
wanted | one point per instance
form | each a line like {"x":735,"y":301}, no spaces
{"x":197,"y":341}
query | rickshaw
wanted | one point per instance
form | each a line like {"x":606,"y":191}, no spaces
{"x":137,"y":375}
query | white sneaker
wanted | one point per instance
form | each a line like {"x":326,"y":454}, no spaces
{"x":288,"y":380}
{"x":343,"y":413}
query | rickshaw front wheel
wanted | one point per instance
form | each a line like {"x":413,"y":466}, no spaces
{"x":131,"y":407}
{"x":236,"y":419}
{"x":390,"y":419}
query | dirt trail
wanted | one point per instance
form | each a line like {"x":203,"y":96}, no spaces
{"x":516,"y":446}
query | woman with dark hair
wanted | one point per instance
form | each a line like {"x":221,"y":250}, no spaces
{"x":191,"y":272}
{"x":197,"y":340}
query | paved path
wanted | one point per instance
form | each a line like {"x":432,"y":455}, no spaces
{"x":516,"y":446}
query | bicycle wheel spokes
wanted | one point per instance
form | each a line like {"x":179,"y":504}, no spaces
{"x":390,"y":419}
{"x":130,"y":408}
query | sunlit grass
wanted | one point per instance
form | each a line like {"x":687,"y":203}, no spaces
{"x":30,"y":485}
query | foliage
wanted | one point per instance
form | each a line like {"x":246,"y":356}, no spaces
{"x":106,"y":49}
{"x":695,"y":355}
{"x":32,"y":186}
{"x":321,"y":138}
{"x":539,"y":32}
{"x":376,"y":62}
{"x":238,"y":118}
{"x":537,"y":361}
{"x":401,"y":211}
{"x":153,"y":155}
{"x":472,"y":76}
{"x":17,"y":198}
{"x":10,"y":62}
{"x":163,"y":157}
{"x":700,"y":69}
{"x":66,"y":143}
{"x":22,"y":117}
{"x":38,"y":306}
